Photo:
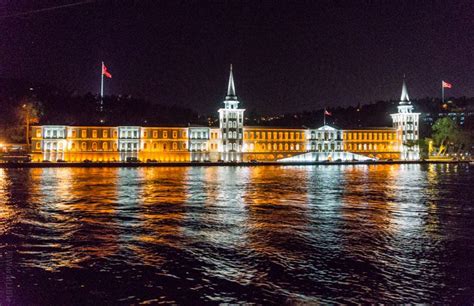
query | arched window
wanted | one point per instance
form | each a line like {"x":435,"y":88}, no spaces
{"x":280,"y":147}
{"x":94,"y":146}
{"x":175,"y":146}
{"x":286,"y":147}
{"x":105,"y":146}
{"x":83,"y":146}
{"x":115,"y":146}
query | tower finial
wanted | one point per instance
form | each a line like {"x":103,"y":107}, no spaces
{"x":404,"y":97}
{"x":231,"y":86}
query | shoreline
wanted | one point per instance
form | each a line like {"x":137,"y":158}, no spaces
{"x":214,"y":164}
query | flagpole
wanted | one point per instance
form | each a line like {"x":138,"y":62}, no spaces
{"x":442,"y":92}
{"x":324,"y":117}
{"x":102,"y":87}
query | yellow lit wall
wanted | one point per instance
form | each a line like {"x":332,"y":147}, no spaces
{"x":164,"y":144}
{"x":378,"y":143}
{"x":268,"y":143}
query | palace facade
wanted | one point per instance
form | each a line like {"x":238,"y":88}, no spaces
{"x":232,"y":141}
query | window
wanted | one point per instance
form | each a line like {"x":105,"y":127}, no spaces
{"x":38,"y":133}
{"x":175,"y":146}
{"x":94,"y":133}
{"x":115,"y":134}
{"x":105,"y":146}
{"x":38,"y":144}
{"x":175,"y":134}
{"x":155,"y":134}
{"x":83,"y":146}
{"x":145,"y":146}
{"x":94,"y":146}
{"x":165,"y":134}
{"x":145,"y":134}
{"x":105,"y":134}
{"x":115,"y":146}
{"x":73,"y":146}
{"x":74,"y":134}
{"x":83,"y":133}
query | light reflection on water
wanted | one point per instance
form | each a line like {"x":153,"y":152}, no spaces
{"x":379,"y":233}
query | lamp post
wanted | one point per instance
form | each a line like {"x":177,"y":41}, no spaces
{"x":27,"y":126}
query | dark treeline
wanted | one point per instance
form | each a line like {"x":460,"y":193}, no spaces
{"x":55,"y":106}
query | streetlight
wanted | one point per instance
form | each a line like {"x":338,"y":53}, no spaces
{"x":27,"y":126}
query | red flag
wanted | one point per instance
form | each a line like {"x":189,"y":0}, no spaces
{"x":326,"y":113}
{"x":105,"y":72}
{"x":447,"y":85}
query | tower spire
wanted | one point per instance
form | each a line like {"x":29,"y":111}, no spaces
{"x":231,"y":86}
{"x":404,"y":97}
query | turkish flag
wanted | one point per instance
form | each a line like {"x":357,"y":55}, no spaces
{"x":105,"y":72}
{"x":447,"y":85}
{"x":327,"y":113}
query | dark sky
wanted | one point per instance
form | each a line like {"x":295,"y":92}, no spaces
{"x":287,"y":56}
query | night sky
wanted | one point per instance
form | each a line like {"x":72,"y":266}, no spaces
{"x":287,"y":56}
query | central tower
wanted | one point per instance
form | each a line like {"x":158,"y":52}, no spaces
{"x":407,"y":122}
{"x":231,"y":122}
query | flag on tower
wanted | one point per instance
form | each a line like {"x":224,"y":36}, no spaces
{"x":447,"y":85}
{"x":326,"y":113}
{"x":105,"y":71}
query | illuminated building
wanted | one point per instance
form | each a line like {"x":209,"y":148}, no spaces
{"x":408,"y":122}
{"x":378,"y":143}
{"x":231,"y":122}
{"x":230,"y":142}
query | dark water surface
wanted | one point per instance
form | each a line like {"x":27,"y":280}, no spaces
{"x":379,"y":233}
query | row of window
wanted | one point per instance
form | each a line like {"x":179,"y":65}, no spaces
{"x":326,"y":135}
{"x":369,"y":136}
{"x":274,"y":147}
{"x":230,"y":124}
{"x":366,"y":147}
{"x":105,"y":146}
{"x":274,"y":135}
{"x":231,"y":135}
{"x":60,"y":133}
{"x":165,"y":134}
